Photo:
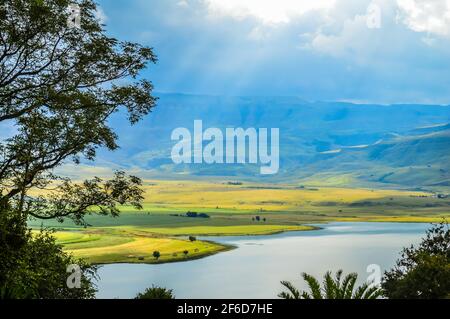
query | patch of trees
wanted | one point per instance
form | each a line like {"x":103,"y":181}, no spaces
{"x":423,"y":271}
{"x":197,"y":215}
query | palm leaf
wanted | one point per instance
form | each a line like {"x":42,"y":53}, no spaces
{"x":350,"y":281}
{"x":293,"y":293}
{"x":330,"y":287}
{"x":373,"y":292}
{"x":314,"y":286}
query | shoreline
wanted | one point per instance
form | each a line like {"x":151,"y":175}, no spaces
{"x":218,"y":247}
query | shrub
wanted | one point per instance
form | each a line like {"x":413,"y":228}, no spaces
{"x":156,"y":292}
{"x":422,"y":272}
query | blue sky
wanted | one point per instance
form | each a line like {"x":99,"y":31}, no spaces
{"x":384,"y":51}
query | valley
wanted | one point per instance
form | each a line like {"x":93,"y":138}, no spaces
{"x":232,"y":209}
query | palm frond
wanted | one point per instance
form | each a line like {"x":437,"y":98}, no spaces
{"x":329,"y":286}
{"x":373,"y":292}
{"x":350,"y":282}
{"x":314,"y":286}
{"x":293,"y":293}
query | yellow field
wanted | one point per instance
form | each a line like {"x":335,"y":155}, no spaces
{"x":253,"y":197}
{"x":242,"y":230}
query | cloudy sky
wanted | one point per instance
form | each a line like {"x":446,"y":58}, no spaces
{"x":385,"y":51}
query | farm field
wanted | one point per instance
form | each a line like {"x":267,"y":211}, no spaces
{"x":232,"y":209}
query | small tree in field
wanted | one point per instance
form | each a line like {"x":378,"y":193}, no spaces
{"x":156,"y":254}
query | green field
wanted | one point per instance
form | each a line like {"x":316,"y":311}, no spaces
{"x":232,"y":210}
{"x":101,"y":246}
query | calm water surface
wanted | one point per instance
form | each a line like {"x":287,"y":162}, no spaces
{"x":256,"y":267}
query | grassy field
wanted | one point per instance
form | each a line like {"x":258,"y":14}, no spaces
{"x":232,"y":210}
{"x":101,"y":246}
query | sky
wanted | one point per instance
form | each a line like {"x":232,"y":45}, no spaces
{"x":364,"y":51}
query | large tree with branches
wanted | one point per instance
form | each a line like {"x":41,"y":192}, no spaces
{"x":59,"y":85}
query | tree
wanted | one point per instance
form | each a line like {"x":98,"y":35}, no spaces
{"x":192,"y":238}
{"x":156,"y":254}
{"x":422,"y":272}
{"x":42,"y":278}
{"x":333,"y":288}
{"x":59,"y":85}
{"x":156,"y":292}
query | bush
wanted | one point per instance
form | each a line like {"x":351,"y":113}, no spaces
{"x":422,"y":272}
{"x":156,"y":292}
{"x":192,"y":238}
{"x":35,"y":267}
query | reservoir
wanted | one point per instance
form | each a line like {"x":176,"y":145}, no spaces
{"x":255,"y":268}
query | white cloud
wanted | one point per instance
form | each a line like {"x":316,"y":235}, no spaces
{"x":268,"y":11}
{"x":352,"y":40}
{"x":183,"y":3}
{"x":426,"y":16}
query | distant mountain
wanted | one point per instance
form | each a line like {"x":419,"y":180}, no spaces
{"x":398,"y":145}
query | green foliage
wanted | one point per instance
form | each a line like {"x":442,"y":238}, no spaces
{"x":422,"y":272}
{"x":35,"y":267}
{"x":156,"y":292}
{"x":59,"y":85}
{"x":333,"y":288}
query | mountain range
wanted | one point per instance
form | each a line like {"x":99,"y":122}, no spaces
{"x":326,"y":143}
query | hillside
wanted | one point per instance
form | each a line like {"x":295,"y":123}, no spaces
{"x":327,"y":142}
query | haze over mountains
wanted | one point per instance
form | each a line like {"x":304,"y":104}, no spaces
{"x":326,"y":143}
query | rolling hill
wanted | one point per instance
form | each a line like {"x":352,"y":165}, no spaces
{"x":334,"y":143}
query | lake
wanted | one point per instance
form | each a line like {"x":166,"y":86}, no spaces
{"x":256,"y":267}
